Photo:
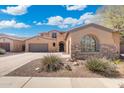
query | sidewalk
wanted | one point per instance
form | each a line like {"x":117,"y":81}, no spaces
{"x":52,"y":82}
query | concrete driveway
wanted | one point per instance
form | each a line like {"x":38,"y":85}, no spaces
{"x":10,"y":63}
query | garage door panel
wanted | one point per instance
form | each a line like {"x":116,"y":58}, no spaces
{"x":38,"y":47}
{"x":5,"y":46}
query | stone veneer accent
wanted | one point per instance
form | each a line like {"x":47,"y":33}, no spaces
{"x":107,"y":51}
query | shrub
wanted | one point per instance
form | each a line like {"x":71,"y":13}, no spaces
{"x":117,"y":61}
{"x":2,"y":51}
{"x":52,"y":63}
{"x":102,"y":66}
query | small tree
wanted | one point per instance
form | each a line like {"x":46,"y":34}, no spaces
{"x":112,"y":17}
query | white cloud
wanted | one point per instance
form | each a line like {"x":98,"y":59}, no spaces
{"x":12,"y":34}
{"x":86,"y":18}
{"x":34,"y":22}
{"x":12,"y":24}
{"x":62,"y":22}
{"x":16,"y":10}
{"x":56,"y":20}
{"x":38,"y":23}
{"x":69,"y":21}
{"x":75,"y":7}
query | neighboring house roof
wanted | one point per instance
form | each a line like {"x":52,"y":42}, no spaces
{"x":12,"y":37}
{"x":92,"y":25}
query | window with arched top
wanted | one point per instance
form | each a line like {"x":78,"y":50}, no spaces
{"x":89,"y":44}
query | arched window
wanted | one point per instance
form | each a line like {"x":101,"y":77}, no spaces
{"x":88,"y":44}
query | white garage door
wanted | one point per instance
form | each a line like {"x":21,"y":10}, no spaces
{"x":38,"y":47}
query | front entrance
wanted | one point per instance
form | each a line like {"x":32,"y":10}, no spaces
{"x":61,"y":47}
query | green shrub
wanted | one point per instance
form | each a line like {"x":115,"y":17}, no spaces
{"x":2,"y":51}
{"x":102,"y":66}
{"x":117,"y":61}
{"x":52,"y":63}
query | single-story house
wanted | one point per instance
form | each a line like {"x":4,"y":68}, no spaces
{"x":91,"y":39}
{"x":11,"y":43}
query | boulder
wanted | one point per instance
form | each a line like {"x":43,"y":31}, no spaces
{"x":76,"y":64}
{"x":68,"y":67}
{"x":38,"y":69}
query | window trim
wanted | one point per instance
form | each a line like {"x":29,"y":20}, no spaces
{"x":54,"y":35}
{"x":96,"y":48}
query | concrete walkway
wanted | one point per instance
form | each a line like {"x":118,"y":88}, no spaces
{"x":49,"y":82}
{"x":10,"y":63}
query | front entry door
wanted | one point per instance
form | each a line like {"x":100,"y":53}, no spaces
{"x":61,"y":47}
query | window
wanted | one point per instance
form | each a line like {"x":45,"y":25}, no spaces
{"x":54,"y":35}
{"x":54,"y":44}
{"x":88,"y":44}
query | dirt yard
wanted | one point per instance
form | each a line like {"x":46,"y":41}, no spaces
{"x":121,"y":68}
{"x":30,"y":70}
{"x":77,"y":71}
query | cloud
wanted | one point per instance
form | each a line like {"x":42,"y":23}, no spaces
{"x":38,"y":23}
{"x":86,"y":18}
{"x":12,"y":24}
{"x":75,"y":7}
{"x":16,"y":10}
{"x":56,"y":20}
{"x":61,"y":22}
{"x":34,"y":22}
{"x":12,"y":34}
{"x":69,"y":21}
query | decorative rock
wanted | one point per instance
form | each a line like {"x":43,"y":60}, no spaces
{"x":68,"y":67}
{"x":67,"y":60}
{"x":76,"y":64}
{"x":38,"y":69}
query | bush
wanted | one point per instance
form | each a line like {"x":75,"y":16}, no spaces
{"x":52,"y":63}
{"x":102,"y":66}
{"x":117,"y":61}
{"x":2,"y":51}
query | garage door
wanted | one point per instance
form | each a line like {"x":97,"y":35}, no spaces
{"x":5,"y":46}
{"x":38,"y":47}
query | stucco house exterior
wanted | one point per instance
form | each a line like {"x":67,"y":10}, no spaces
{"x":52,"y":41}
{"x":80,"y":42}
{"x":93,"y":40}
{"x":11,"y":43}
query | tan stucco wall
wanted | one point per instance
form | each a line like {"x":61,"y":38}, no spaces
{"x":40,"y":40}
{"x":15,"y":45}
{"x":68,"y":45}
{"x":107,"y":40}
{"x":47,"y":38}
{"x":116,"y":37}
{"x":7,"y":40}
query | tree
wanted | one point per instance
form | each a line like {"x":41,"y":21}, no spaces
{"x":112,"y":17}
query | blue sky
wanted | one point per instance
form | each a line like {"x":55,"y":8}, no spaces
{"x":31,"y":20}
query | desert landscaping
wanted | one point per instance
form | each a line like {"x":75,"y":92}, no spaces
{"x":68,"y":68}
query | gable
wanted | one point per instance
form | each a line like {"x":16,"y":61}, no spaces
{"x":91,"y":25}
